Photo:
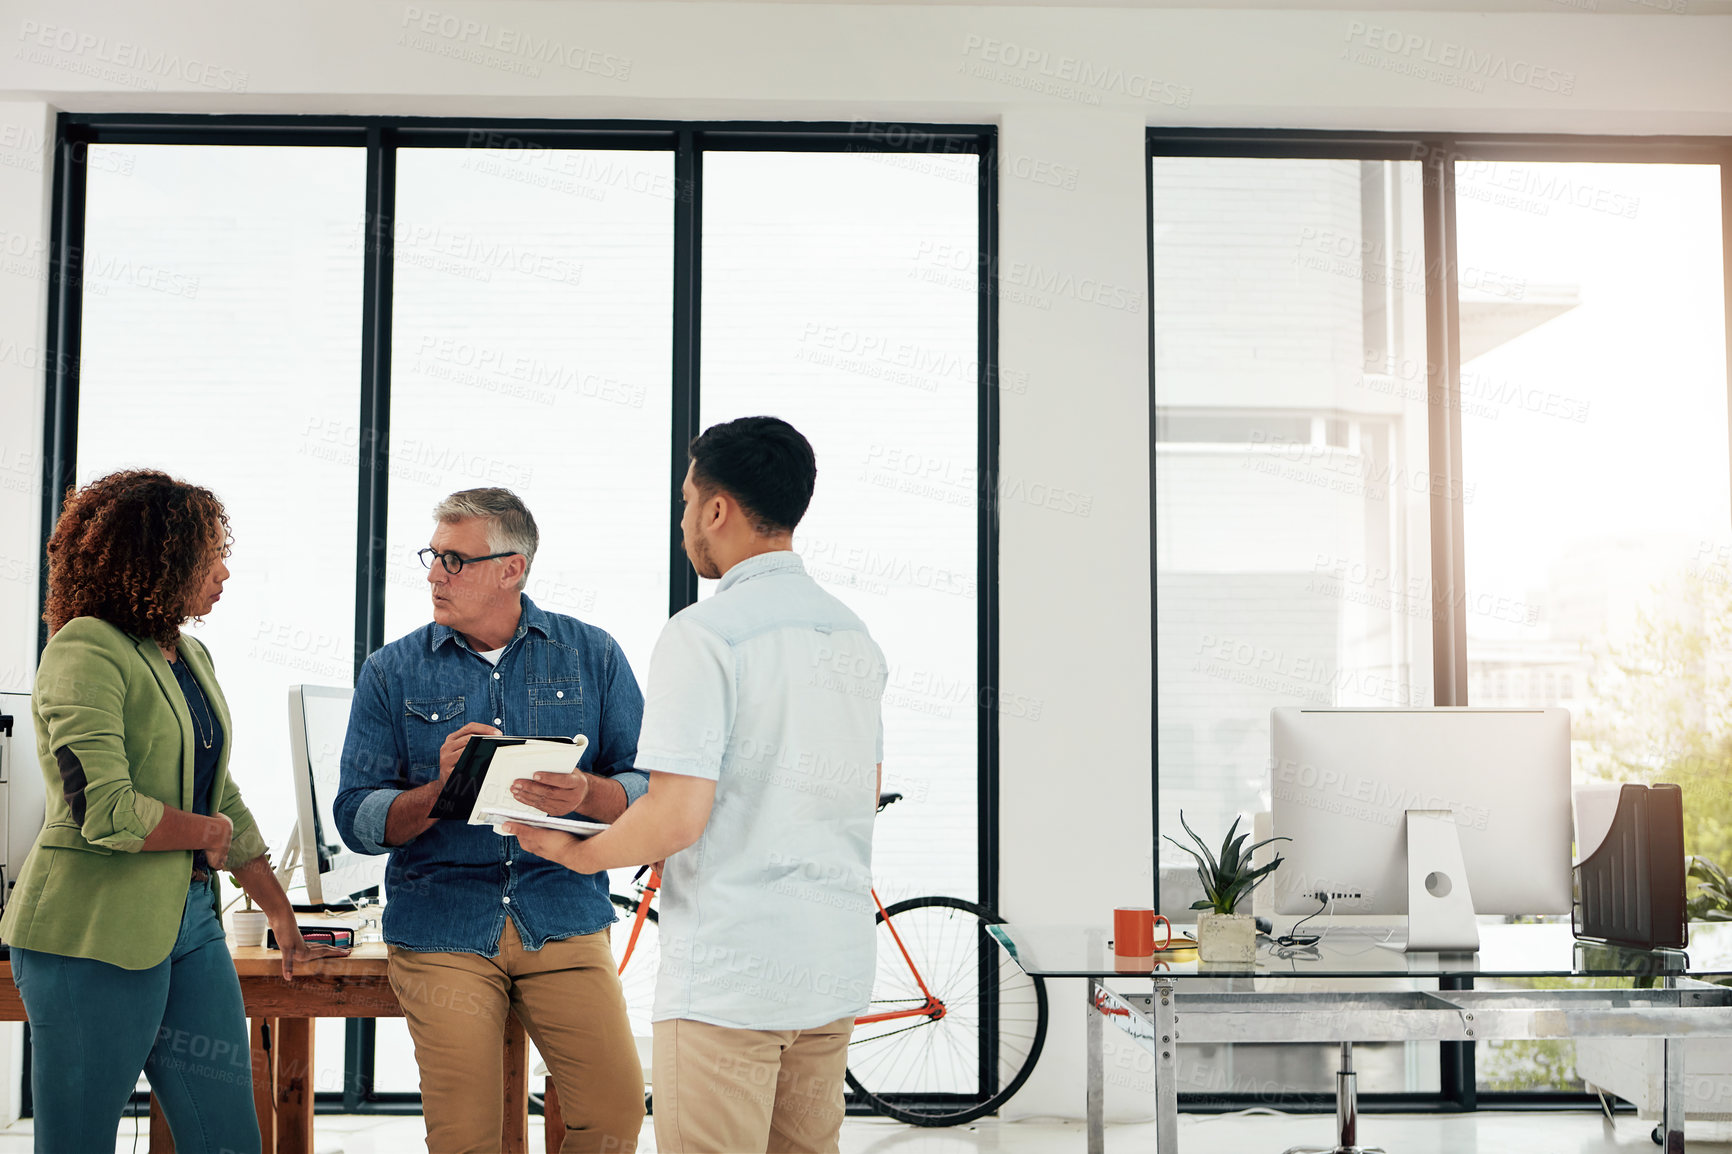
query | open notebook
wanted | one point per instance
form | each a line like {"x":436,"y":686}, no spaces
{"x":479,"y":788}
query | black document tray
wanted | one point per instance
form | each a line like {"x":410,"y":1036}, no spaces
{"x":1630,"y":890}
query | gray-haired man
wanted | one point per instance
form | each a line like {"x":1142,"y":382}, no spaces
{"x":477,"y":927}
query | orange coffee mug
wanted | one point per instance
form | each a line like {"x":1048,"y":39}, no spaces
{"x":1134,"y":931}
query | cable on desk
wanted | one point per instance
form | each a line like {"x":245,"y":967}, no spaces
{"x":1293,"y":938}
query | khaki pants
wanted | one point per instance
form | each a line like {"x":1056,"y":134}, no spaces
{"x":726,"y":1091}
{"x":568,"y":996}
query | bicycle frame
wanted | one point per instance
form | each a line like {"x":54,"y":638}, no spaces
{"x":642,"y":915}
{"x":932,"y":1007}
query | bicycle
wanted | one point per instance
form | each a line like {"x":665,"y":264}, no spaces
{"x":960,"y":1028}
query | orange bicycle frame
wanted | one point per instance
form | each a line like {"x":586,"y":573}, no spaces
{"x":931,"y":1008}
{"x":643,"y":905}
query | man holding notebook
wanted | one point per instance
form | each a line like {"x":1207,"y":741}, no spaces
{"x":763,"y":739}
{"x":477,"y":927}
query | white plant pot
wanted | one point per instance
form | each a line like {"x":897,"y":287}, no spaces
{"x":1226,"y":937}
{"x":249,"y":926}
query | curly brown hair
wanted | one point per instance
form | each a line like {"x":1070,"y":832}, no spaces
{"x":132,"y":548}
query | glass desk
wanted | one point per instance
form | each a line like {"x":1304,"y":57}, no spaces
{"x":1669,"y":994}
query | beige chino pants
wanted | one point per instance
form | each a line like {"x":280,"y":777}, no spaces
{"x":568,"y":995}
{"x":726,"y":1091}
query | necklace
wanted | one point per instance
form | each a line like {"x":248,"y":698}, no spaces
{"x":207,"y":729}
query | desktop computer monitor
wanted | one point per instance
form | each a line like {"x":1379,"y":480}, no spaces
{"x":1345,"y":781}
{"x":22,"y":789}
{"x":318,"y":723}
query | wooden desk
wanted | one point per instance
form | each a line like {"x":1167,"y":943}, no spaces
{"x":351,"y":987}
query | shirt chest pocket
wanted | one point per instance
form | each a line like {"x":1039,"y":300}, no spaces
{"x":556,"y":708}
{"x":427,"y":722}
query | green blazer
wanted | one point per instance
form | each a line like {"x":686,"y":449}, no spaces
{"x":116,"y":745}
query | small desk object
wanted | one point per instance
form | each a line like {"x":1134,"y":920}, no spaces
{"x":351,"y":987}
{"x":1679,"y":994}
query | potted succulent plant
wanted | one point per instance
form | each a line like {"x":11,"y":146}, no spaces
{"x":1223,"y":933}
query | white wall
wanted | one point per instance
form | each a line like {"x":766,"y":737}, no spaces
{"x":26,"y":140}
{"x":1070,"y":87}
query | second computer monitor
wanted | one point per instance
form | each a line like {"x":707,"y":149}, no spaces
{"x":318,"y":725}
{"x":1343,"y":780}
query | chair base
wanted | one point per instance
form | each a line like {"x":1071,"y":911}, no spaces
{"x":1346,"y":1113}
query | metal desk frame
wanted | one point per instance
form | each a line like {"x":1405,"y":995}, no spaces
{"x":1676,"y":1006}
{"x":1683,"y":1008}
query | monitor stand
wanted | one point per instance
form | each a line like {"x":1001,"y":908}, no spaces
{"x":1440,"y":913}
{"x":294,"y":863}
{"x":290,"y":859}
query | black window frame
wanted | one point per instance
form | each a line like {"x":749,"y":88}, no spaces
{"x":382,"y":137}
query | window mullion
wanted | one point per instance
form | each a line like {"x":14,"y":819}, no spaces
{"x":65,"y":321}
{"x":688,"y":300}
{"x":1443,"y":386}
{"x":374,"y":453}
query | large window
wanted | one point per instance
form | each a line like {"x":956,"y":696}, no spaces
{"x":532,"y":348}
{"x":1594,"y":432}
{"x":815,"y":309}
{"x":221,"y":306}
{"x":1290,"y":459}
{"x":335,"y":323}
{"x":1442,"y":422}
{"x":1291,"y":488}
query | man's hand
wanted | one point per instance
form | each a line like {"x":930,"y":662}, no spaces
{"x":553,"y":793}
{"x":453,"y":747}
{"x":553,"y":844}
{"x":221,"y":836}
{"x":407,"y":818}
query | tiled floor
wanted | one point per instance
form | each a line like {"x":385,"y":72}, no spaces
{"x":1484,"y":1133}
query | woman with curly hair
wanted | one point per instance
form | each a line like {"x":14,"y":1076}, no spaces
{"x":115,"y":940}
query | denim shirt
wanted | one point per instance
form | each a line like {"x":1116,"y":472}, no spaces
{"x":451,"y":888}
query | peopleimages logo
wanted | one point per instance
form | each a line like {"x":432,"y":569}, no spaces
{"x":1453,"y":58}
{"x":1066,"y":77}
{"x":1308,"y":785}
{"x":122,"y":61}
{"x":502,"y":46}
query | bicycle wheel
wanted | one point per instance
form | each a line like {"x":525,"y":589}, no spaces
{"x":639,"y":978}
{"x":961,"y":1061}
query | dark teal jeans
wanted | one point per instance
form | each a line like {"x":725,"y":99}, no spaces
{"x":94,"y":1026}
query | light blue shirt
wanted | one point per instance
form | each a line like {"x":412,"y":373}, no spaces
{"x":771,"y":688}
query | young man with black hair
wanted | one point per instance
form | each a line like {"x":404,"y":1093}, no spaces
{"x":763,"y":740}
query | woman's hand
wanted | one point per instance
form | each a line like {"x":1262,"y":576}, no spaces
{"x":220,"y":836}
{"x":298,"y":955}
{"x":260,"y":882}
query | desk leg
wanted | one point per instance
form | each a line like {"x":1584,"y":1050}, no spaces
{"x":264,"y":1082}
{"x":1672,"y":1089}
{"x":550,"y":1115}
{"x":294,"y":1042}
{"x":161,"y":1139}
{"x":1672,"y":1097}
{"x":514,"y":1138}
{"x":1096,"y":1043}
{"x":1166,"y":1068}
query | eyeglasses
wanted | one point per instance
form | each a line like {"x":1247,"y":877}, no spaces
{"x":454,"y":562}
